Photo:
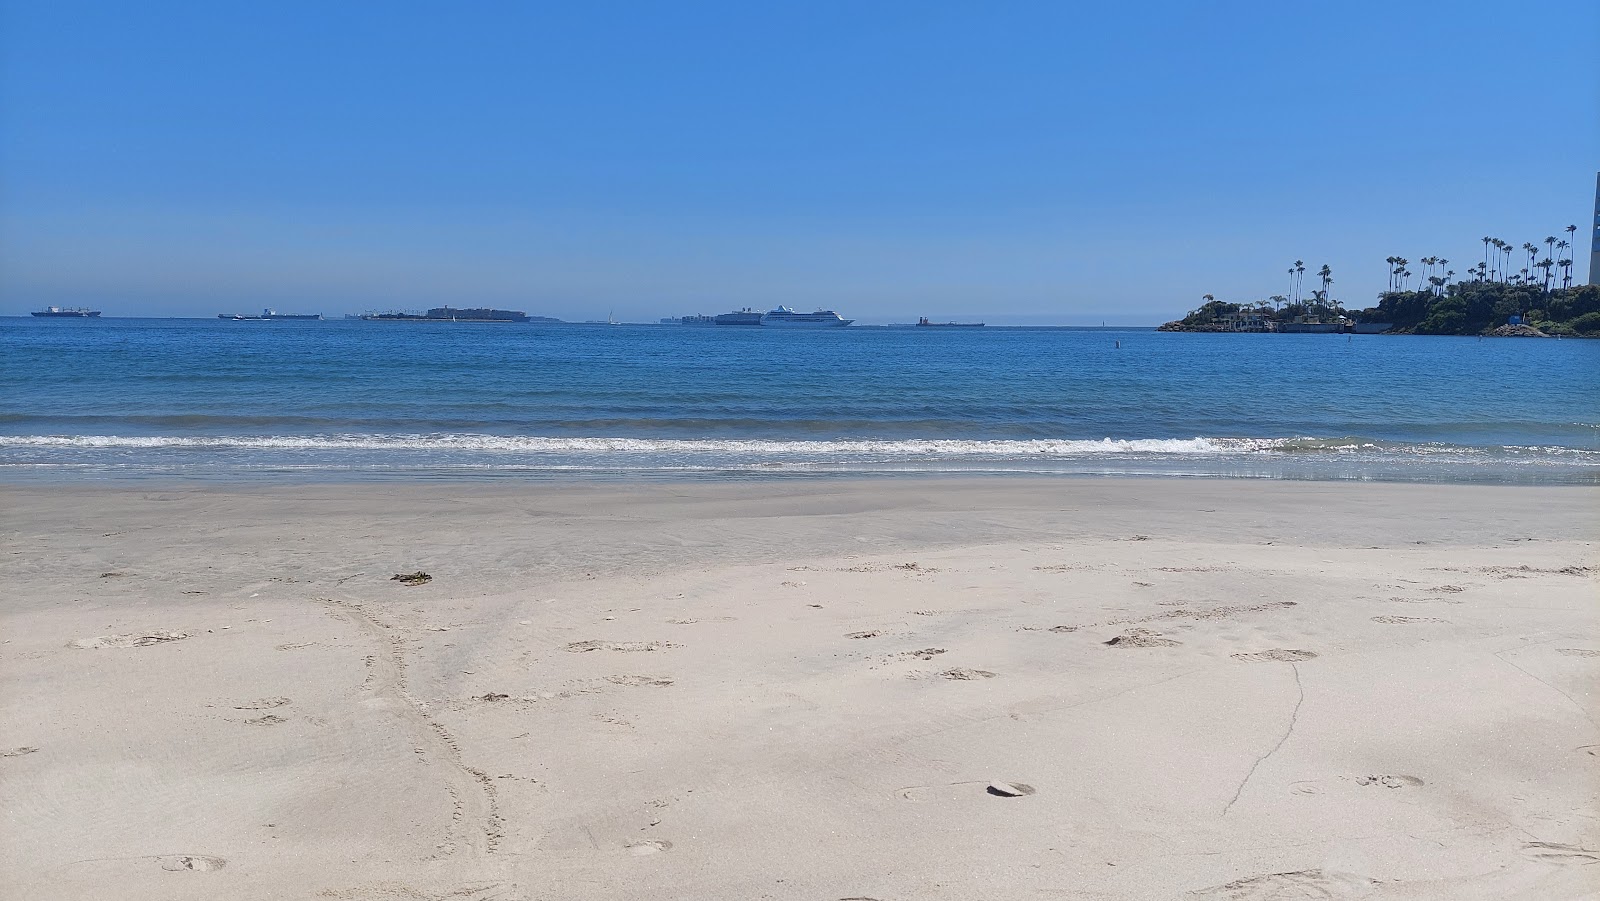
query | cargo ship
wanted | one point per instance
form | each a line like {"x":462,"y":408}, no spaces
{"x":924,"y":323}
{"x":267,"y":315}
{"x":745,"y":316}
{"x":67,"y":313}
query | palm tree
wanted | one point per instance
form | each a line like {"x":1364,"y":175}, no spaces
{"x":1300,"y":277}
{"x":1486,"y":242}
{"x":1291,"y":281}
{"x":1550,"y":242}
{"x":1572,"y":235}
{"x":1447,"y":277}
{"x":1390,"y":261}
{"x":1532,"y":250}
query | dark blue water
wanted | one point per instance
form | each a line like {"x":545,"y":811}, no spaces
{"x":135,"y":397}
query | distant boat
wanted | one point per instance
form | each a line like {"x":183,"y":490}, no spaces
{"x":783,"y":317}
{"x":267,"y":315}
{"x":924,"y":323}
{"x":67,"y":313}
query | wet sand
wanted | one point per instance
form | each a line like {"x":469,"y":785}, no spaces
{"x":822,"y":689}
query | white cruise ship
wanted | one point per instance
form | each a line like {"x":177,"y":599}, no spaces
{"x":783,"y":317}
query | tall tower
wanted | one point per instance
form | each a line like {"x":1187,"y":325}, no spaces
{"x":1594,"y":237}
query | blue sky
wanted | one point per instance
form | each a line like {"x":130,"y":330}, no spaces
{"x":1021,"y":162}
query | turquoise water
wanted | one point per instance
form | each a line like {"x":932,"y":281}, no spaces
{"x":118,"y":398}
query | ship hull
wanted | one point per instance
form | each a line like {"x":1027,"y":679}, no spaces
{"x":791,"y":323}
{"x":67,"y":314}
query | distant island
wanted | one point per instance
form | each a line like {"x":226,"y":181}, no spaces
{"x":1537,"y":300}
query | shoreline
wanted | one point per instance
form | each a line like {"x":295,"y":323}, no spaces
{"x":799,"y":689}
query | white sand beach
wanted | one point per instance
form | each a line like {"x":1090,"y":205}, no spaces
{"x":809,"y":689}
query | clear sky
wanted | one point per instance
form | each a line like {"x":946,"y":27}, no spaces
{"x":1020,"y":162}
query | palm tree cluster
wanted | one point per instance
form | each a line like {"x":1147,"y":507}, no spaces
{"x":1500,"y":264}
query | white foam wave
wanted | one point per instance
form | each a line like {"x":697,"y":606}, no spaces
{"x":666,"y":446}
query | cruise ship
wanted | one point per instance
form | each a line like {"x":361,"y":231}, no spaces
{"x":783,"y":317}
{"x":67,"y":313}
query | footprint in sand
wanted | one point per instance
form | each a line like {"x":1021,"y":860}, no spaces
{"x":1388,"y":781}
{"x":1552,"y":852}
{"x":640,"y":680}
{"x":262,"y":704}
{"x":1285,"y":886}
{"x":1401,"y":620}
{"x":270,"y":719}
{"x":1282,"y":655}
{"x":579,"y":647}
{"x":17,"y":752}
{"x":1141,"y":638}
{"x":963,"y":674}
{"x":135,"y":640}
{"x":1578,"y":652}
{"x":197,"y":863}
{"x":639,"y":849}
{"x":870,"y":633}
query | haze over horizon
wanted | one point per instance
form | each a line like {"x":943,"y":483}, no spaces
{"x":1030,"y":164}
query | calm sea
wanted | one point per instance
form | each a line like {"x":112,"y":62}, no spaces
{"x":121,"y":398}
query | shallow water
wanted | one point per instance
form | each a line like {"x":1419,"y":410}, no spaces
{"x":349,"y":399}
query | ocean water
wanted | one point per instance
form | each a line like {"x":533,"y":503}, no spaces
{"x":165,"y":398}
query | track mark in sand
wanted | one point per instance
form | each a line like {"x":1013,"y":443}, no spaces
{"x":262,"y":704}
{"x":923,"y":654}
{"x":1591,"y":750}
{"x":870,"y":633}
{"x":1552,"y":852}
{"x":1447,"y":589}
{"x":399,"y":891}
{"x":270,"y":719}
{"x":1141,"y":638}
{"x":134,"y":640}
{"x":912,"y":567}
{"x":1063,"y":629}
{"x":579,"y":647}
{"x":294,"y":646}
{"x":197,"y":863}
{"x":1300,"y":884}
{"x":1294,"y":717}
{"x":1280,"y":655}
{"x":689,"y":620}
{"x":1578,"y":652}
{"x":655,"y":846}
{"x":1389,"y":781}
{"x":474,"y":823}
{"x":1399,"y":600}
{"x":963,"y":674}
{"x":640,"y":680}
{"x":1402,"y":620}
{"x":17,"y":752}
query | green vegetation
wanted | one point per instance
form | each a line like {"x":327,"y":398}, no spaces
{"x":1475,"y":307}
{"x":1539,"y":293}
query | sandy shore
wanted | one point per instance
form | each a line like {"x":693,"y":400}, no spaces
{"x":1206,"y":689}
